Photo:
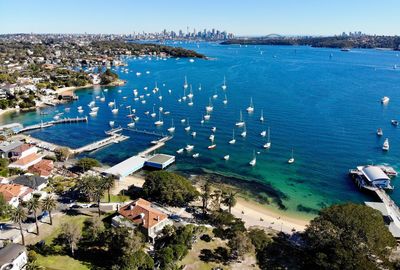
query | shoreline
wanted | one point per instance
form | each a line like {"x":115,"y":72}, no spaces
{"x":119,"y":82}
{"x":253,"y":213}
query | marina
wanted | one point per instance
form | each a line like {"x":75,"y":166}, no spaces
{"x":312,"y":122}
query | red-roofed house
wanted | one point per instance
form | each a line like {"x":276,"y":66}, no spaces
{"x":13,"y":193}
{"x":43,"y":168}
{"x":23,"y":151}
{"x":141,"y":213}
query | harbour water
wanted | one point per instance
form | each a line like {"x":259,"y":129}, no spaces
{"x":323,"y":103}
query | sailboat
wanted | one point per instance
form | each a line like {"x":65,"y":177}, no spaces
{"x":179,"y":151}
{"x":111,"y":103}
{"x":207,"y":116}
{"x":196,"y":155}
{"x":250,"y":109}
{"x":291,"y":160}
{"x":131,"y":124}
{"x":172,"y":128}
{"x":241,"y":122}
{"x":225,"y":101}
{"x":213,"y":129}
{"x":215,"y":96}
{"x":153,"y":114}
{"x":200,"y":87}
{"x":267,"y":145}
{"x":185,"y":84}
{"x":254,"y":160}
{"x":160,"y":122}
{"x":233,"y":141}
{"x":226,"y":157}
{"x":210,"y":107}
{"x":103,"y":98}
{"x":224,"y":84}
{"x":130,"y":112}
{"x":191,"y":93}
{"x":262,"y":116}
{"x":184,"y":94}
{"x":194,"y":133}
{"x":190,"y":103}
{"x":155,"y":87}
{"x":187,"y":128}
{"x":189,"y":147}
{"x":385,"y":146}
{"x":115,"y":110}
{"x":244,"y":133}
{"x":111,"y":123}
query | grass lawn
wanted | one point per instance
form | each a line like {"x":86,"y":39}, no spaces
{"x":192,"y":260}
{"x":69,"y":219}
{"x":115,"y":198}
{"x":59,"y":262}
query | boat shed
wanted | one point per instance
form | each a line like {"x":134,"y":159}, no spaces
{"x":126,"y":167}
{"x":375,"y":176}
{"x":160,"y":161}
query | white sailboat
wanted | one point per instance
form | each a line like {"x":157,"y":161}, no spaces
{"x":111,"y":123}
{"x":215,"y":96}
{"x":200,"y":87}
{"x":263,"y":133}
{"x":254,"y":160}
{"x":179,"y":151}
{"x":291,"y":160}
{"x":212,"y":137}
{"x":214,"y":129}
{"x":190,"y":95}
{"x":156,"y":87}
{"x":210,"y":107}
{"x":185,"y":84}
{"x":103,"y":98}
{"x":224,"y":84}
{"x":244,"y":133}
{"x":241,"y":122}
{"x":130,"y":112}
{"x":93,"y":113}
{"x":190,"y":103}
{"x":172,"y":128}
{"x":194,"y":133}
{"x":226,"y":157}
{"x":267,"y":145}
{"x":207,"y":116}
{"x":262,"y":116}
{"x":196,"y":155}
{"x":131,"y":124}
{"x":187,"y":128}
{"x":233,"y":141}
{"x":111,"y":103}
{"x":189,"y":147}
{"x":225,"y":101}
{"x":159,"y":122}
{"x":184,"y":94}
{"x":153,"y":114}
{"x":115,"y":110}
{"x":250,"y":109}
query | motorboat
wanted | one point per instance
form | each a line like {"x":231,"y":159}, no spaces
{"x":226,"y":157}
{"x":196,"y":155}
{"x":385,"y":100}
{"x":212,"y":146}
{"x":386,"y":146}
{"x":394,"y":122}
{"x":263,"y":133}
{"x":189,"y":147}
{"x":194,"y":133}
{"x":179,"y":151}
{"x":214,"y":129}
{"x":379,"y":132}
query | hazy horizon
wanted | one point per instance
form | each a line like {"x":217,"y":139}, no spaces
{"x":250,"y":18}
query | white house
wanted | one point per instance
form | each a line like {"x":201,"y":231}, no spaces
{"x":13,"y":257}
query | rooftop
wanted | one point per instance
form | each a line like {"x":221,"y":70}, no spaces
{"x":31,"y":181}
{"x":160,"y":158}
{"x":374,"y":173}
{"x":10,"y":252}
{"x":26,"y":160}
{"x":141,"y":212}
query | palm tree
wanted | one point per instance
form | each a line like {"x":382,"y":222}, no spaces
{"x":33,"y":205}
{"x":108,"y":183}
{"x":216,"y":202}
{"x":49,"y":204}
{"x":229,"y":199}
{"x":18,"y":215}
{"x":205,"y":195}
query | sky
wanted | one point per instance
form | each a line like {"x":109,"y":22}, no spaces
{"x":245,"y":17}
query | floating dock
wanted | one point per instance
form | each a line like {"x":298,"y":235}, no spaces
{"x":115,"y":138}
{"x":55,"y":122}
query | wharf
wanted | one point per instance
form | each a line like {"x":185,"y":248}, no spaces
{"x":115,"y":138}
{"x":54,"y":122}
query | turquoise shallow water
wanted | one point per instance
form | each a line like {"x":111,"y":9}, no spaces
{"x":327,"y":109}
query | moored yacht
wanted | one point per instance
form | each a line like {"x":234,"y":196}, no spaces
{"x":172,"y":128}
{"x":379,"y":132}
{"x":291,"y":160}
{"x":385,"y":100}
{"x":233,"y":141}
{"x":254,"y":160}
{"x":385,"y":146}
{"x":267,"y":145}
{"x":240,"y":123}
{"x":250,"y":109}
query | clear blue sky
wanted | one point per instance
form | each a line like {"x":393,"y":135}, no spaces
{"x":245,"y":17}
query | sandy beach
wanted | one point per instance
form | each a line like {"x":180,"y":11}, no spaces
{"x":8,"y":110}
{"x":251,"y":212}
{"x":72,"y":88}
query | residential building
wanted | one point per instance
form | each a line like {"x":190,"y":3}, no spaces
{"x":7,"y":147}
{"x":32,"y":181}
{"x":26,"y":162}
{"x":10,"y":129}
{"x":142,"y":214}
{"x":14,"y":193}
{"x":22,"y":151}
{"x":13,"y":257}
{"x":43,"y":168}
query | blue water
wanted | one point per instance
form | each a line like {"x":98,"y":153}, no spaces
{"x":326,"y":109}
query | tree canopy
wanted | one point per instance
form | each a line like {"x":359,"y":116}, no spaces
{"x":169,"y":188}
{"x":87,"y":163}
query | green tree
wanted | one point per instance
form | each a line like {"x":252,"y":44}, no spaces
{"x":93,"y":188}
{"x":229,"y":199}
{"x":5,"y":208}
{"x":169,"y":188}
{"x":62,"y":153}
{"x":348,"y":236}
{"x":87,"y":163}
{"x":70,"y":236}
{"x":205,"y":195}
{"x":18,"y":215}
{"x":240,"y":244}
{"x":259,"y":238}
{"x":49,"y":204}
{"x":33,"y":205}
{"x":108,"y":183}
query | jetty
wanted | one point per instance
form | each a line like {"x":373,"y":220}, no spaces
{"x":54,"y":122}
{"x":375,"y":179}
{"x":115,"y":138}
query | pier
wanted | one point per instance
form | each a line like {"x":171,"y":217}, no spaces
{"x":115,"y":138}
{"x":54,"y":122}
{"x":146,"y":132}
{"x":157,"y":145}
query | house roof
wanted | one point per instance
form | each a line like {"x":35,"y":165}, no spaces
{"x":26,"y":160}
{"x":8,"y":146}
{"x":31,"y":181}
{"x":10,"y":191}
{"x":10,"y":252}
{"x":43,"y":167}
{"x":141,"y":212}
{"x":22,"y":148}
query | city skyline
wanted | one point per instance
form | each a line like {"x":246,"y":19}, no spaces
{"x":288,"y":17}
